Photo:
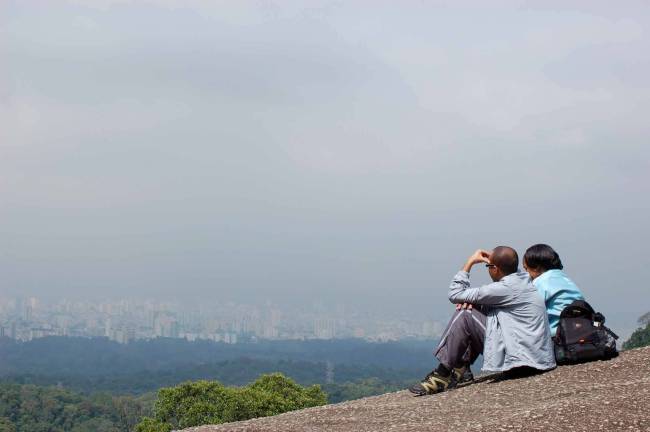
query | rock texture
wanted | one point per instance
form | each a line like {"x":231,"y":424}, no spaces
{"x":599,"y":396}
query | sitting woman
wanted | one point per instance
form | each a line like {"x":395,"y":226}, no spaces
{"x":544,"y":266}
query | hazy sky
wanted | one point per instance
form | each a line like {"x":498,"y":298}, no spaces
{"x":351,"y":152}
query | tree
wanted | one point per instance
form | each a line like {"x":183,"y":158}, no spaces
{"x":33,"y":408}
{"x":194,"y":404}
{"x":150,"y":425}
{"x":210,"y":402}
{"x":274,"y":394}
{"x":644,"y":319}
{"x":641,"y":336}
{"x":6,"y":425}
{"x":97,"y":424}
{"x":128,"y":411}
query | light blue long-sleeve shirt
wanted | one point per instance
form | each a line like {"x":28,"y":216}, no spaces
{"x":557,"y":291}
{"x":517,"y":331}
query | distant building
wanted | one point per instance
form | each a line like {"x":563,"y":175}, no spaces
{"x":28,"y":313}
{"x":40,"y":332}
{"x":174,"y":329}
{"x":324,"y":328}
{"x":107,"y":328}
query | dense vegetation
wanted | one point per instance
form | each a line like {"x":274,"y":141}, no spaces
{"x":641,"y":336}
{"x":209,"y":402}
{"x":231,"y":372}
{"x":40,"y":370}
{"x":101,"y":357}
{"x":98,"y":365}
{"x":28,"y":408}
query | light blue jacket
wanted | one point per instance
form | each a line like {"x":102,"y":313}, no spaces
{"x":517,"y":331}
{"x":557,"y":291}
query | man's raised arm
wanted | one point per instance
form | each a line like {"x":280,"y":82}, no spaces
{"x":461,"y":292}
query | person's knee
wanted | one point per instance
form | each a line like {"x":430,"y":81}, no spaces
{"x":465,"y":315}
{"x":462,"y":318}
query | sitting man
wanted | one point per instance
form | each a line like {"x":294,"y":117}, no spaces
{"x":507,"y":323}
{"x":544,"y":266}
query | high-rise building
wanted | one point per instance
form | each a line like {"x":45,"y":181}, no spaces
{"x":174,"y":329}
{"x":324,"y":328}
{"x":107,"y":328}
{"x":27,"y":313}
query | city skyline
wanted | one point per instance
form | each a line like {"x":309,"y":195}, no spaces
{"x":128,"y":320}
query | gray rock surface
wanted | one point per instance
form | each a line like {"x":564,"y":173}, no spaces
{"x":599,"y":396}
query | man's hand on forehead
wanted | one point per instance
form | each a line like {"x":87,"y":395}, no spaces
{"x":480,"y":256}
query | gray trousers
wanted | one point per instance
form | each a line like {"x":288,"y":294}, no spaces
{"x":463,"y":339}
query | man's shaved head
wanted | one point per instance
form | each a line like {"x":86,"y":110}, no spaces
{"x":505,"y":258}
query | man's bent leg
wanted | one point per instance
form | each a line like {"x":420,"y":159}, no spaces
{"x":477,"y":335}
{"x":463,"y":339}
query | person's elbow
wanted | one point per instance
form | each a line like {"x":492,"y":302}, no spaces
{"x":455,"y":297}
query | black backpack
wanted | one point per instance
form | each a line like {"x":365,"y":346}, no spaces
{"x":582,"y":335}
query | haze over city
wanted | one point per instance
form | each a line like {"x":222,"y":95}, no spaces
{"x":320,"y":152}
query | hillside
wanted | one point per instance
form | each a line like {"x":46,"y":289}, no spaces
{"x":609,"y":396}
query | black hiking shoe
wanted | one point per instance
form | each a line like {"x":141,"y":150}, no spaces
{"x":463,"y":375}
{"x":434,"y":383}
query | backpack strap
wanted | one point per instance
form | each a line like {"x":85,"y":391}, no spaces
{"x":611,"y":333}
{"x":579,"y":308}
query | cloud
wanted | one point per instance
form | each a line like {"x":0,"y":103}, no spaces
{"x":33,"y":120}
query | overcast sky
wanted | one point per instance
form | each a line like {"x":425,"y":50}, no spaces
{"x":351,"y":152}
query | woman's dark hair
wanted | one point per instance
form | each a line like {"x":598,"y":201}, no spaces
{"x":542,"y":257}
